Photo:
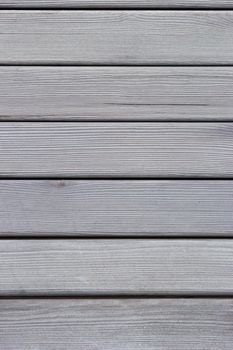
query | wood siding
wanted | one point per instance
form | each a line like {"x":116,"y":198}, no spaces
{"x":116,"y":93}
{"x":130,"y":324}
{"x":116,"y":208}
{"x":116,"y":267}
{"x":116,"y":149}
{"x":116,"y":37}
{"x":116,"y":175}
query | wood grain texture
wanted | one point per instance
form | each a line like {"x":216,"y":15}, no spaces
{"x":82,"y":208}
{"x":116,"y":37}
{"x":116,"y":149}
{"x":116,"y":93}
{"x":116,"y":267}
{"x":93,"y":4}
{"x":164,"y":324}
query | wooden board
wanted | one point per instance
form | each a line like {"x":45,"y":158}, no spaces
{"x":116,"y":4}
{"x":116,"y":267}
{"x":105,"y":324}
{"x":116,"y":149}
{"x":116,"y":37}
{"x":82,"y":208}
{"x":116,"y":93}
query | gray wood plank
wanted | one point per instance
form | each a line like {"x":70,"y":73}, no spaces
{"x":82,"y":208}
{"x":116,"y":267}
{"x":137,"y":324}
{"x":116,"y":149}
{"x":116,"y":37}
{"x":116,"y":93}
{"x":93,"y":4}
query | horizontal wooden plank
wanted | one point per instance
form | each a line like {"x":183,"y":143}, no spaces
{"x":105,"y":324}
{"x":116,"y":37}
{"x":81,"y":208}
{"x":93,"y":4}
{"x":116,"y":149}
{"x":116,"y":93}
{"x":116,"y":267}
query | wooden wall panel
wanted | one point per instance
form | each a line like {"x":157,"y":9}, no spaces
{"x":142,"y":208}
{"x":81,"y":202}
{"x":116,"y":37}
{"x":116,"y":149}
{"x":137,"y":324}
{"x":116,"y":267}
{"x":116,"y":93}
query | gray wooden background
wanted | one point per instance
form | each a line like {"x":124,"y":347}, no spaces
{"x":116,"y":175}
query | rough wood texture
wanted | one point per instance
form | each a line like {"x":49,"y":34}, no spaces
{"x":181,"y":208}
{"x":116,"y":37}
{"x":116,"y":149}
{"x":116,"y":93}
{"x":165,"y":324}
{"x":116,"y":267}
{"x":116,"y":4}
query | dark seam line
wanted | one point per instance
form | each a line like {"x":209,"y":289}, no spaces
{"x":10,"y":120}
{"x":118,"y":178}
{"x":114,"y":65}
{"x":109,"y":237}
{"x":103,"y":296}
{"x":104,"y":64}
{"x":99,"y":8}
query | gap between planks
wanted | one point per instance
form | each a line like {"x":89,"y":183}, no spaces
{"x":116,"y":297}
{"x":112,"y":65}
{"x":100,"y":237}
{"x":97,"y":8}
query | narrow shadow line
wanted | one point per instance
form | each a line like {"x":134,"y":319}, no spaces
{"x":82,"y":120}
{"x":97,"y":7}
{"x":114,"y":178}
{"x":120,"y":237}
{"x":104,"y":64}
{"x":216,"y":296}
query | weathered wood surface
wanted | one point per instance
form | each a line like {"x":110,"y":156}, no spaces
{"x":137,"y":324}
{"x":116,"y":37}
{"x":116,"y":93}
{"x":116,"y":149}
{"x":93,"y":4}
{"x":116,"y":267}
{"x":81,"y":208}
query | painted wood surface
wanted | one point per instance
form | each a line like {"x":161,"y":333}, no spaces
{"x":116,"y":149}
{"x":116,"y":93}
{"x":66,"y":288}
{"x":137,"y":324}
{"x":93,"y":4}
{"x":115,"y":267}
{"x":142,"y":208}
{"x":116,"y":37}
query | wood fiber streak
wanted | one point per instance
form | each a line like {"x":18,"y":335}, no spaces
{"x":116,"y":93}
{"x":116,"y":149}
{"x":82,"y":208}
{"x":137,"y":324}
{"x":115,"y":267}
{"x":116,"y":37}
{"x":93,"y":4}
